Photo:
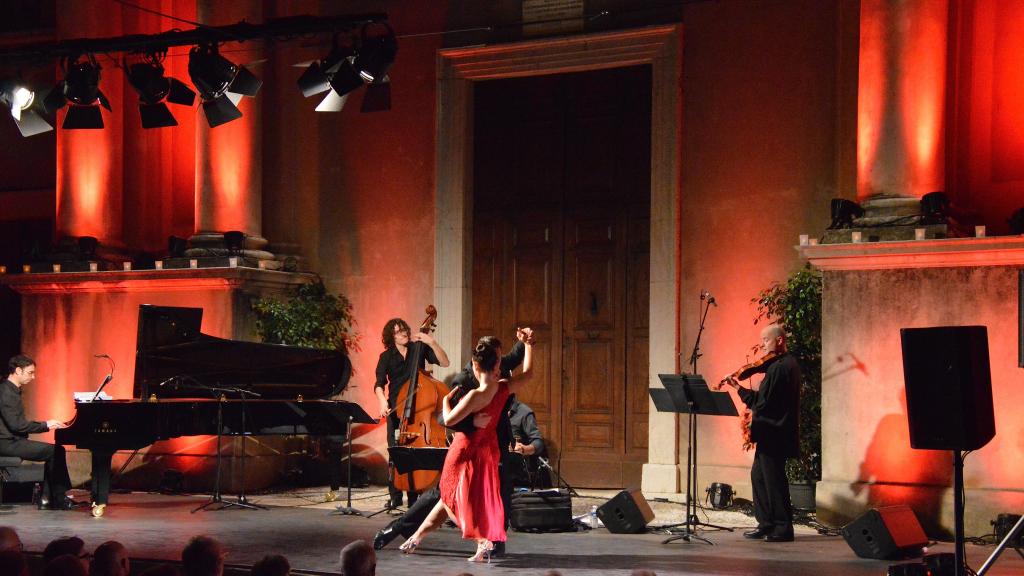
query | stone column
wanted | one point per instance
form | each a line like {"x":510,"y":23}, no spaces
{"x":229,"y":157}
{"x":901,"y":97}
{"x":89,"y":162}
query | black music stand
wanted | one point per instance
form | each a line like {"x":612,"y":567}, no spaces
{"x":689,"y":394}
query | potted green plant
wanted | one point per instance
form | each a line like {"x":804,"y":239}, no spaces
{"x":796,"y":305}
{"x":310,"y":317}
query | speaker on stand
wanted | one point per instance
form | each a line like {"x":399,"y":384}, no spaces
{"x":949,"y":401}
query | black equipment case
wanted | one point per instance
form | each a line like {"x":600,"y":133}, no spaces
{"x":541,"y":511}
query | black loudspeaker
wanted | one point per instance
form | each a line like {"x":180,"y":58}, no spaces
{"x":627,"y":513}
{"x":949,"y":387}
{"x":886,"y":533}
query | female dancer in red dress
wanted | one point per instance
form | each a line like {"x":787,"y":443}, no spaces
{"x":470,"y":484}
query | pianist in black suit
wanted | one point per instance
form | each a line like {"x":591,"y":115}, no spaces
{"x":15,"y":428}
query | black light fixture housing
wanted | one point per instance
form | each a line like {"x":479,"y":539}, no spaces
{"x":221,"y":84}
{"x":80,"y":90}
{"x":234,"y":241}
{"x":935,"y":207}
{"x":843,"y":213}
{"x":154,"y":88}
{"x":176,"y":246}
{"x":334,"y":73}
{"x":21,"y":101}
{"x":376,"y":54}
{"x":87,"y":246}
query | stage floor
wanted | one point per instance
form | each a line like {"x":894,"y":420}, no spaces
{"x":300,"y":527}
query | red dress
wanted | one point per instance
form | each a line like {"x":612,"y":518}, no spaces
{"x":470,"y":485}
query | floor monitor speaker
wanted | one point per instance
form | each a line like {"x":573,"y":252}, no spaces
{"x":627,"y":513}
{"x":886,"y":533}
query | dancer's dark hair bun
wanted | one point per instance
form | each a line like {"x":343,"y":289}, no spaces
{"x":486,"y":356}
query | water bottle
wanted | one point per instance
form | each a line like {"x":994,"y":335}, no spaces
{"x":593,"y":521}
{"x":37,"y":494}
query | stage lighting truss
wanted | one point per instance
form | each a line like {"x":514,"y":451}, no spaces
{"x":364,"y":58}
{"x":17,"y":97}
{"x":221,"y":83}
{"x":146,"y":76}
{"x":80,"y":92}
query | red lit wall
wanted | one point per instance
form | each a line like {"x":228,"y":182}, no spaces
{"x":989,"y":175}
{"x":902,"y":97}
{"x":760,"y":92}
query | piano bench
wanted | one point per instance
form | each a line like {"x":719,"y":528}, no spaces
{"x":14,"y":469}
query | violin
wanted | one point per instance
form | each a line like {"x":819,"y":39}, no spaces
{"x":745,"y":372}
{"x":748,"y":370}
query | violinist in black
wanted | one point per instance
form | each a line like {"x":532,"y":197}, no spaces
{"x":774,"y":429}
{"x":393,"y":370}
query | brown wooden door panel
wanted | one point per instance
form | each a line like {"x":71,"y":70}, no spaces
{"x":562,"y":184}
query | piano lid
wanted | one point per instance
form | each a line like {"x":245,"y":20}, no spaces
{"x":173,"y":359}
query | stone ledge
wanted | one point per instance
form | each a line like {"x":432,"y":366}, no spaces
{"x":151,"y":280}
{"x":931,"y":253}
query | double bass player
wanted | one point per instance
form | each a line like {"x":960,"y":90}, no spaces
{"x":393,"y":371}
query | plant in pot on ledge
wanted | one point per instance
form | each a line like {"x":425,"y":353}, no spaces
{"x":310,"y":317}
{"x":796,"y":305}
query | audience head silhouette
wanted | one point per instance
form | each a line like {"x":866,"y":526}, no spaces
{"x":202,"y":556}
{"x":358,"y":559}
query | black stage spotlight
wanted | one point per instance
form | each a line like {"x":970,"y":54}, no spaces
{"x":176,"y":247}
{"x":87,"y":246}
{"x":843,"y":213}
{"x":81,"y":89}
{"x":147,"y":78}
{"x":334,"y":73}
{"x":19,"y":99}
{"x":220,"y":83}
{"x":376,"y":55}
{"x":934,"y":207}
{"x":234,"y":241}
{"x":1016,"y":221}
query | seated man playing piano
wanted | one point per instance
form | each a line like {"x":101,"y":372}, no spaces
{"x":15,"y":428}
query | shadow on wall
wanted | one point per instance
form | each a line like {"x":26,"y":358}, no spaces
{"x":894,"y":473}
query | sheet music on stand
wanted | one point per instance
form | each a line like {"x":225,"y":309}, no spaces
{"x":408,"y":459}
{"x":88,"y":396}
{"x":689,"y":394}
{"x":681,"y":389}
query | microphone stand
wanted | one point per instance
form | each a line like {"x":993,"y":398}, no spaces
{"x":689,"y":526}
{"x":347,"y":509}
{"x":559,"y":479}
{"x":216,"y":497}
{"x":241,"y":501}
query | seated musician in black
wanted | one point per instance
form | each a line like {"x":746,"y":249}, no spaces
{"x":527,"y":448}
{"x":393,"y":371}
{"x":15,"y":428}
{"x":407,"y":524}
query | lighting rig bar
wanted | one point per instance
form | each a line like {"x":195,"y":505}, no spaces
{"x":276,"y":28}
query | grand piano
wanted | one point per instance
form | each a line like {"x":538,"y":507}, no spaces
{"x":186,"y":382}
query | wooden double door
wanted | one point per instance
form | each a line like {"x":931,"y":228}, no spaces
{"x":561,"y":244}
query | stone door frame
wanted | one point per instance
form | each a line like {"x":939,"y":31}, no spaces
{"x":457,"y":69}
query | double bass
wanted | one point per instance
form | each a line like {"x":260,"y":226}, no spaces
{"x":420,"y":399}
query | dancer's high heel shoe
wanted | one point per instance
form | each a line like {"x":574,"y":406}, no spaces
{"x":409,"y":546}
{"x":483,"y":553}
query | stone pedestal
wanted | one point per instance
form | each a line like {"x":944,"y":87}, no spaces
{"x":67,"y":318}
{"x":871,"y":291}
